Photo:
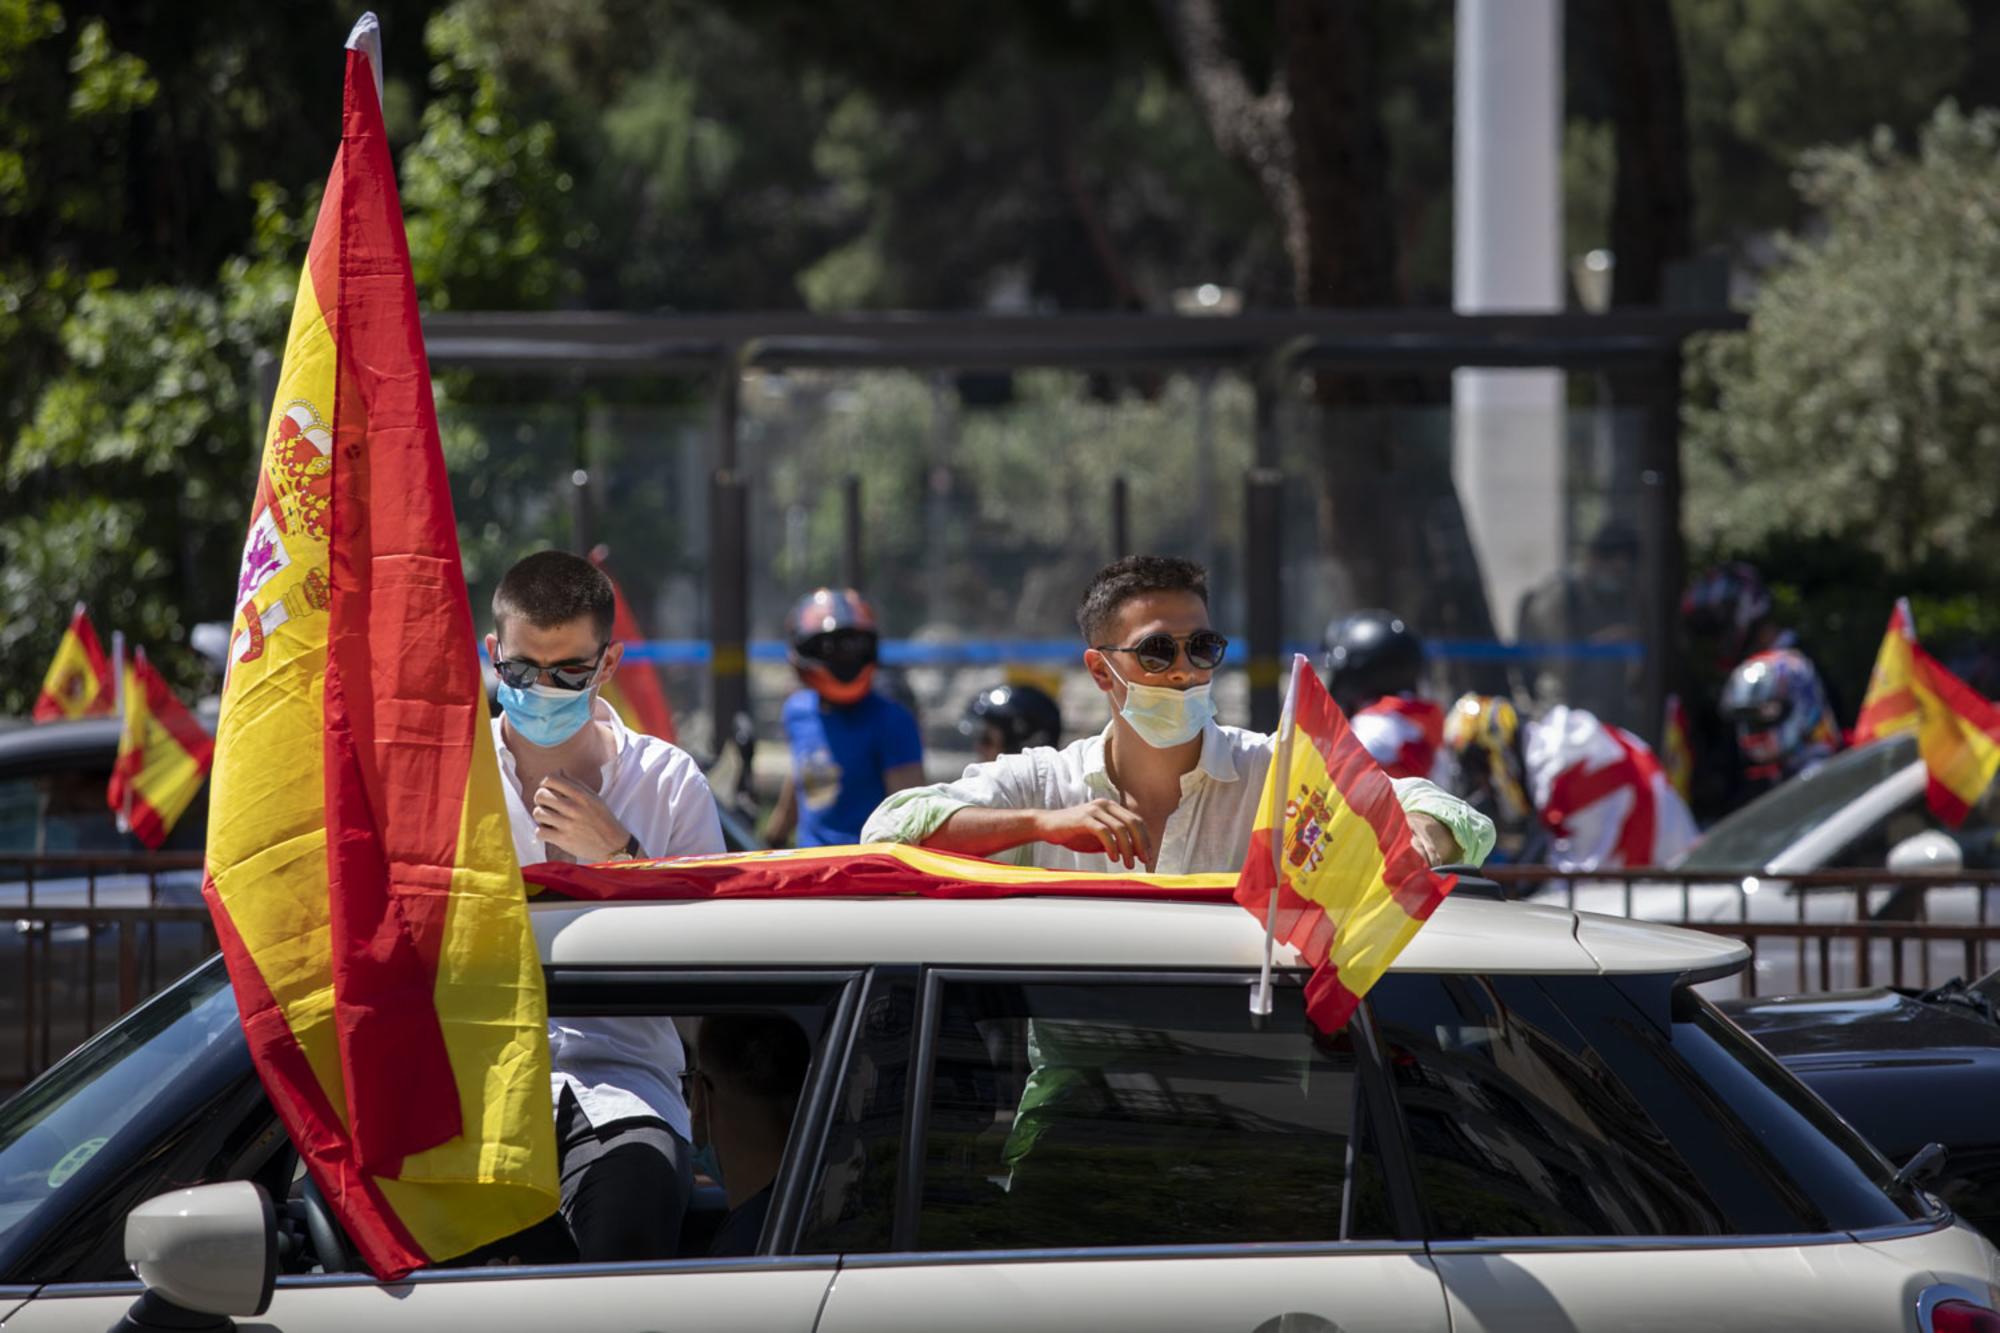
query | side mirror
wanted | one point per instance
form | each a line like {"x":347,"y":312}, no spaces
{"x":1926,"y":853}
{"x":210,"y":1250}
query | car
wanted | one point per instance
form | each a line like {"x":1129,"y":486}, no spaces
{"x":1864,"y":809}
{"x":1907,"y":1068}
{"x":1534,"y":1121}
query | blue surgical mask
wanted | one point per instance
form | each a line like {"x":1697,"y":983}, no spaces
{"x":705,"y":1163}
{"x":545,"y":716}
{"x":1164,"y":717}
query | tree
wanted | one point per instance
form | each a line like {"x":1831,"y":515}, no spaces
{"x":1864,"y":401}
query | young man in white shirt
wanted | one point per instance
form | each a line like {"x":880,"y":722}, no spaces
{"x":1164,"y":787}
{"x":581,"y":786}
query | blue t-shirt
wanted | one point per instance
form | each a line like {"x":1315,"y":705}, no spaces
{"x":839,"y":754}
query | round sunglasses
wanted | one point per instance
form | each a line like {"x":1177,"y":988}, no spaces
{"x":1157,"y":652}
{"x":566,"y":676}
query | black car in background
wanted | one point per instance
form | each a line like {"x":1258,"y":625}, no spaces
{"x":1906,"y":1068}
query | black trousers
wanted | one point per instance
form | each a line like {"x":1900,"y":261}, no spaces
{"x":625,"y":1185}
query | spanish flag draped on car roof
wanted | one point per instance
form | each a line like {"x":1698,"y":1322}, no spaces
{"x":360,"y":870}
{"x":1958,"y":731}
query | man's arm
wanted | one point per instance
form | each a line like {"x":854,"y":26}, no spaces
{"x":784,"y":816}
{"x":1445,"y":829}
{"x":1096,"y":826}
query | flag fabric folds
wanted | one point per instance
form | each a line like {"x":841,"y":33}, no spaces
{"x":163,"y":756}
{"x":1958,"y":731}
{"x":634,"y":693}
{"x":1333,"y":846}
{"x":79,"y":682}
{"x":360,"y":869}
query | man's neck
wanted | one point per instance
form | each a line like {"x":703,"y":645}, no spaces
{"x":1144,"y":772}
{"x":748,"y":1173}
{"x":580,"y":757}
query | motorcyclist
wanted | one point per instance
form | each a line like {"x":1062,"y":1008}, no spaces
{"x":851,"y":746}
{"x":1567,"y":787}
{"x":1783,"y":723}
{"x":1007,"y":719}
{"x":1373,"y":661}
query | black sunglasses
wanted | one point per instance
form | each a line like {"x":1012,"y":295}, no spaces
{"x":567,"y":676}
{"x":1156,"y":652}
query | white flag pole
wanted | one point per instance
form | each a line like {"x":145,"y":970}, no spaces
{"x":1274,"y":793}
{"x":118,"y":669}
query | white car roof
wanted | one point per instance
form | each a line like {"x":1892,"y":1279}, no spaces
{"x":1465,"y":935}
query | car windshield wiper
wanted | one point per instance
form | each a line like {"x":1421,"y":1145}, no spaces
{"x":1956,"y":992}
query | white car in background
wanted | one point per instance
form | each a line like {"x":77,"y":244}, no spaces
{"x":1863,"y":809}
{"x":1533,"y":1123}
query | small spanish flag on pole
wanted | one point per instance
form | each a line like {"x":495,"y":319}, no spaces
{"x":1958,"y":731}
{"x":163,"y":756}
{"x":1676,"y":749}
{"x":79,"y":682}
{"x":634,"y":693}
{"x":1331,"y":869}
{"x":360,"y":870}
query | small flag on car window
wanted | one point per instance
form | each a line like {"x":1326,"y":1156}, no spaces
{"x":163,"y":756}
{"x":1331,"y":868}
{"x":79,"y":682}
{"x":1958,"y":731}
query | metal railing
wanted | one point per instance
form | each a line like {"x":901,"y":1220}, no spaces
{"x":84,"y":937}
{"x":1834,"y":928}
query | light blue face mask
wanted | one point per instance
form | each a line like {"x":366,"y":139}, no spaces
{"x":545,"y":716}
{"x":705,"y":1164}
{"x":1164,"y":717}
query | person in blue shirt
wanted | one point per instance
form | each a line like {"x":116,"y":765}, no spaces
{"x":851,"y":747}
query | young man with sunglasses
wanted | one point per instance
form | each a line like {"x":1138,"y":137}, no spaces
{"x":581,"y":786}
{"x":1164,"y":787}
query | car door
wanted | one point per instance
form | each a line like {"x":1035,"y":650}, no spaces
{"x":1119,"y":1150}
{"x":767,"y":1290}
{"x":1588,"y":1161}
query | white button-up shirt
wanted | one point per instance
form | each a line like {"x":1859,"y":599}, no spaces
{"x":1208,"y":832}
{"x":618,"y":1068}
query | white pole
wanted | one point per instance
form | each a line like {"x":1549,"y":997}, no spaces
{"x":1509,"y":425}
{"x":1260,"y":999}
{"x":118,"y":674}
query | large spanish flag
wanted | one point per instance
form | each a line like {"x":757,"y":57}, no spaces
{"x":634,"y":693}
{"x":1958,"y":731}
{"x":1331,"y":865}
{"x":163,"y":756}
{"x":360,"y":871}
{"x":78,"y":683}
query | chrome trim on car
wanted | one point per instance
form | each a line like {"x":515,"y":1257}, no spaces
{"x":496,"y":1272}
{"x":1111,"y":1253}
{"x":18,"y":1293}
{"x":1560,"y":1244}
{"x":1933,"y":1296}
{"x":64,"y":1290}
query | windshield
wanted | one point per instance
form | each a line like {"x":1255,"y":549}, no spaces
{"x":60,"y":1122}
{"x":1753,"y":836}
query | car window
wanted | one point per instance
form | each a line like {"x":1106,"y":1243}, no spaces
{"x":1107,"y":1114}
{"x":1752,"y":836}
{"x":850,"y":1208}
{"x":1523,"y":1122}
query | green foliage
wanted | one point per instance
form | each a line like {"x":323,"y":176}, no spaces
{"x":1864,"y":402}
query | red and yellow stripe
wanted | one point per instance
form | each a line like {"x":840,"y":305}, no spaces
{"x":361,"y":874}
{"x":634,"y":693}
{"x":1351,"y":889}
{"x":1891,"y":704}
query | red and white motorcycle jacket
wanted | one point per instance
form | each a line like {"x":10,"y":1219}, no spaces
{"x":1602,"y":794}
{"x":1405,"y":734}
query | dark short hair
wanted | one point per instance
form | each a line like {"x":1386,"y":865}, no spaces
{"x":551,"y":588}
{"x":762,"y":1054}
{"x":1135,"y":576}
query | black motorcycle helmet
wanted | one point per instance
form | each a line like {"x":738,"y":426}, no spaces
{"x":1024,"y":716}
{"x":1370,"y":654}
